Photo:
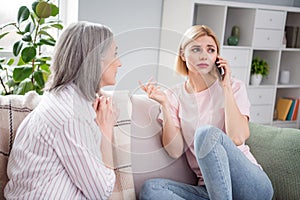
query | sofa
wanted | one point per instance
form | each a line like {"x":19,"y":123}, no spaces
{"x":276,"y":149}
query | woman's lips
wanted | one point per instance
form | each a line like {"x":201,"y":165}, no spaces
{"x":202,"y":65}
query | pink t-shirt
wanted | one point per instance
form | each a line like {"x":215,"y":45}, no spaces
{"x":190,"y":111}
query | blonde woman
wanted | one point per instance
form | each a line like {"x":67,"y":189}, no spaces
{"x":206,"y":117}
{"x":62,"y":149}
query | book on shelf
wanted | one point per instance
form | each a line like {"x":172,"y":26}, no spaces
{"x":295,"y":111}
{"x":290,"y":113}
{"x":287,"y":108}
{"x":283,"y":106}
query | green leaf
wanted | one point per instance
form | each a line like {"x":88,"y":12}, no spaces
{"x":21,"y":73}
{"x":46,"y":58}
{"x":17,"y":48}
{"x":34,"y":18}
{"x":33,"y":6}
{"x":28,"y":54}
{"x":10,"y":62}
{"x":30,"y":27}
{"x":2,"y":60}
{"x":42,"y":21}
{"x":54,"y":10}
{"x":1,"y":68}
{"x":21,"y":62}
{"x":45,"y":33}
{"x":27,"y":37}
{"x":39,"y":78}
{"x":39,"y":91}
{"x":50,"y":42}
{"x":24,"y":87}
{"x":45,"y":27}
{"x":55,"y":21}
{"x":46,"y":68}
{"x":23,"y":14}
{"x":58,"y":26}
{"x":20,"y":32}
{"x":10,"y":83}
{"x":3,"y":34}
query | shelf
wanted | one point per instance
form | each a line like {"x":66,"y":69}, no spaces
{"x":236,"y":47}
{"x":285,"y":124}
{"x":262,"y":86}
{"x":281,"y":86}
{"x":291,"y":49}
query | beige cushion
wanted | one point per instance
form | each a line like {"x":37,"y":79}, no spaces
{"x":149,"y":159}
{"x":124,"y":187}
{"x":13,"y":109}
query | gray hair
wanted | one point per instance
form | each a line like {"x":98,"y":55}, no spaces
{"x":77,"y":58}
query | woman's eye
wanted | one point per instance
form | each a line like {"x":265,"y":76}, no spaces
{"x":211,"y":50}
{"x":196,"y":50}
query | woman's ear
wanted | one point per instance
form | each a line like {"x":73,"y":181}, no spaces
{"x":182,"y":55}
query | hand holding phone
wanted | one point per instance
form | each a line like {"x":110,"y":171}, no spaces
{"x":220,"y":70}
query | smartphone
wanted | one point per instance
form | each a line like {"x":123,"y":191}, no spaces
{"x":220,"y":70}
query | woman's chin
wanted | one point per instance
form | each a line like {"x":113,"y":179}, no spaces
{"x":112,"y":83}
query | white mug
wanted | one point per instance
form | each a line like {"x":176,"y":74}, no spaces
{"x":284,"y":77}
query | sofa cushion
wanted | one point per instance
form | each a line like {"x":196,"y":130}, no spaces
{"x":13,"y":109}
{"x":278,"y":151}
{"x":124,"y":186}
{"x":149,"y":159}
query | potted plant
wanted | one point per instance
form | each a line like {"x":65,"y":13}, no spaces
{"x":29,"y":69}
{"x":259,"y":69}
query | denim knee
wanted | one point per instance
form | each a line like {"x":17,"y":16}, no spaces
{"x":150,"y":187}
{"x":206,"y":137}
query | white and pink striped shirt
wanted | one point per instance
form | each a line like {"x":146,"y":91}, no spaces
{"x":56,"y":153}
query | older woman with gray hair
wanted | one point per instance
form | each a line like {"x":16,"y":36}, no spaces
{"x":63,"y":149}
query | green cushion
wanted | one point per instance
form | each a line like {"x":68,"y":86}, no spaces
{"x":278,"y":151}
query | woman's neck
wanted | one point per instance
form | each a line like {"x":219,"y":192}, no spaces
{"x":195,"y":84}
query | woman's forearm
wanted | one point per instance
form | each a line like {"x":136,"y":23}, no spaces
{"x":171,"y":135}
{"x":107,"y":150}
{"x":236,"y":124}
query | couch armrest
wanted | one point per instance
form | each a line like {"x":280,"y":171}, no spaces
{"x":149,"y":159}
{"x":13,"y":109}
{"x":278,"y":152}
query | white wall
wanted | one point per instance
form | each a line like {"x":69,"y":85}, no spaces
{"x":271,"y":2}
{"x":297,"y":3}
{"x":136,"y":25}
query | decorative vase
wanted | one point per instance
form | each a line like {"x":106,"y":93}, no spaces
{"x":233,"y":40}
{"x":256,"y":79}
{"x":284,"y":77}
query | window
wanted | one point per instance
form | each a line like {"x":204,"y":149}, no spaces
{"x":8,"y":13}
{"x":9,"y":9}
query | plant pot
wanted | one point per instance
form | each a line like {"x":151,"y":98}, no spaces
{"x":256,"y":79}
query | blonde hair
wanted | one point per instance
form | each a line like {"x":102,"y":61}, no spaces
{"x":190,"y":35}
{"x":77,"y":58}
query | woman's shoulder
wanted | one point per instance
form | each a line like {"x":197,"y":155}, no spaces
{"x":174,"y":92}
{"x":175,"y":89}
{"x":237,"y":84}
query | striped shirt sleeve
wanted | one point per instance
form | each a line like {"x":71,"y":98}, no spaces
{"x":79,"y":152}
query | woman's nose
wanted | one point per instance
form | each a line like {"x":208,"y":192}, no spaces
{"x":119,"y":64}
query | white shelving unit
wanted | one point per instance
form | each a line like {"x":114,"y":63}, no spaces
{"x":262,"y":29}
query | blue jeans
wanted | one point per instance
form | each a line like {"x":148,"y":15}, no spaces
{"x":227,"y":172}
